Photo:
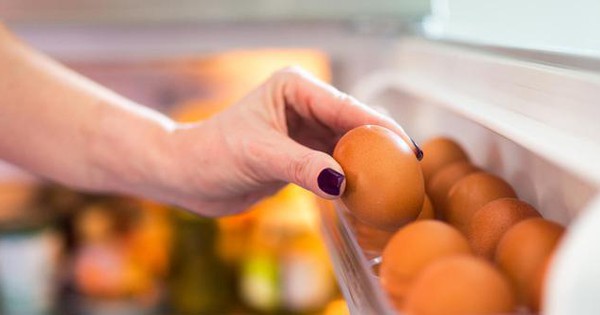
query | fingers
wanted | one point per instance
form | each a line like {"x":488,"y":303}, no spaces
{"x":314,"y":99}
{"x":311,"y":169}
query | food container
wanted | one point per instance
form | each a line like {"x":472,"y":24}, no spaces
{"x":533,"y":124}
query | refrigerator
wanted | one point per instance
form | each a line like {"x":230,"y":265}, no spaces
{"x":522,"y":111}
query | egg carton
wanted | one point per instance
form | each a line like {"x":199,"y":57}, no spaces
{"x":532,"y":123}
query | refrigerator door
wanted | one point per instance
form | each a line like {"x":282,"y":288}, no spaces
{"x":532,"y":124}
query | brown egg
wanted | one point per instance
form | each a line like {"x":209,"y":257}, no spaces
{"x":427,"y":212}
{"x":523,"y":250}
{"x":439,"y":152}
{"x":490,"y":222}
{"x":370,"y":239}
{"x":438,"y":187}
{"x":460,"y":285}
{"x":384,"y":182}
{"x":472,"y":192}
{"x":411,"y":249}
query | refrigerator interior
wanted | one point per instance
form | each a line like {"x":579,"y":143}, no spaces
{"x":189,"y":72}
{"x":532,"y":123}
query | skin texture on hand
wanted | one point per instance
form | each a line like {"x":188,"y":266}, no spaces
{"x":283,"y":131}
{"x":64,"y":127}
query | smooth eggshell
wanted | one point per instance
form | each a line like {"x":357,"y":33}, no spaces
{"x":412,"y":248}
{"x":439,"y":185}
{"x":384,"y":182}
{"x":460,"y":285}
{"x":522,"y":252}
{"x":490,"y":222}
{"x":439,"y":152}
{"x":472,"y":192}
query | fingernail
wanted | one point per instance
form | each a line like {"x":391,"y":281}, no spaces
{"x":419,"y":152}
{"x":330,"y":181}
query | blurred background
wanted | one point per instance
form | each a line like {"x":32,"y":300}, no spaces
{"x":68,"y":252}
{"x":64,"y":251}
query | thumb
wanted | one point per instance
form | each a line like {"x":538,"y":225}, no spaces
{"x":311,"y":169}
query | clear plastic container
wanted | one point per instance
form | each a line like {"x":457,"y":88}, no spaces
{"x":506,"y":115}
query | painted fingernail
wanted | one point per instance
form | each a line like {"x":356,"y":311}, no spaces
{"x":330,"y":181}
{"x":418,"y":151}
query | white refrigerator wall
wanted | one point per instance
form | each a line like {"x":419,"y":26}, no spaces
{"x":127,"y":11}
{"x":551,"y":25}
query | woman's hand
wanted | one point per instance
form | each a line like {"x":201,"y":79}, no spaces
{"x":284,"y":131}
{"x":61,"y":126}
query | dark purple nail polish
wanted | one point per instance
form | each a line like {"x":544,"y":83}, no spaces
{"x":419,"y":152}
{"x":330,"y":181}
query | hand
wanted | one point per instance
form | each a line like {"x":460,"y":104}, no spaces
{"x":284,"y":131}
{"x":64,"y":127}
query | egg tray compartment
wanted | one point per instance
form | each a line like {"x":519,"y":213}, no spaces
{"x":524,"y":169}
{"x":357,"y":268}
{"x":550,"y":167}
{"x":354,"y":267}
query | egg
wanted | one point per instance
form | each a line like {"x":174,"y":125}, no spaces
{"x":438,"y":187}
{"x":384,"y":182}
{"x":491,"y":221}
{"x":427,"y":212}
{"x":472,"y":192}
{"x":439,"y":152}
{"x":411,"y":249}
{"x":522,"y":252}
{"x":460,"y":285}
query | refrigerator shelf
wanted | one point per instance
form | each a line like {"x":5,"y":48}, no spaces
{"x":532,"y":124}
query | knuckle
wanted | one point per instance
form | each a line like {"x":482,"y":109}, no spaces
{"x":341,"y":111}
{"x":346,"y":100}
{"x":289,"y":73}
{"x":287,"y":82}
{"x":292,"y":70}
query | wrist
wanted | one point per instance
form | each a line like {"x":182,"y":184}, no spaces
{"x":173,"y":165}
{"x":129,"y":151}
{"x":183,"y":167}
{"x":195,"y":169}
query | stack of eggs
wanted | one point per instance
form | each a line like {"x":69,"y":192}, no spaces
{"x":453,"y":238}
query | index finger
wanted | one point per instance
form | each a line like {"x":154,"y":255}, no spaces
{"x":314,"y":99}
